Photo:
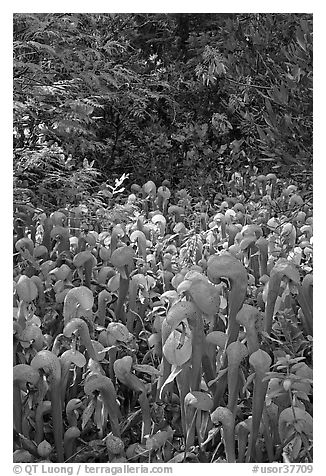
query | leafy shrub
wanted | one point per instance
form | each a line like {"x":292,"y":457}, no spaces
{"x":190,"y":98}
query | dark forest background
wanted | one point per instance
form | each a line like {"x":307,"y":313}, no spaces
{"x":190,"y":98}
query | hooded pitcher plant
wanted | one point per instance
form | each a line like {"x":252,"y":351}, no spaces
{"x":202,"y":404}
{"x":71,"y":411}
{"x":66,"y":359}
{"x":58,"y":218}
{"x":27,"y":292}
{"x":249,"y":318}
{"x":80,"y":326}
{"x":282,"y":269}
{"x":206,"y":298}
{"x":242,"y":431}
{"x":50,"y":364}
{"x":69,"y":441}
{"x":205,"y":301}
{"x":227,"y":266}
{"x":261,"y":362}
{"x":118,"y":232}
{"x":25,"y":246}
{"x":225,"y":416}
{"x":232,"y":231}
{"x":105,"y":387}
{"x":78,"y":302}
{"x":219,"y":218}
{"x":31,"y":336}
{"x":138,"y":281}
{"x":41,"y":296}
{"x":160,"y":221}
{"x":138,"y":237}
{"x":60,"y":235}
{"x":235,"y":352}
{"x":22,"y":374}
{"x":85,"y":261}
{"x":123,"y":259}
{"x":215,"y":341}
{"x":122,"y":369}
{"x":149,"y":191}
{"x":177,"y":349}
{"x":180,"y":311}
{"x":163,"y":195}
{"x":250,"y":250}
{"x":177,"y":213}
{"x":116,"y":333}
{"x":105,"y":273}
{"x":42,"y":409}
{"x":104,"y":298}
{"x":104,"y":254}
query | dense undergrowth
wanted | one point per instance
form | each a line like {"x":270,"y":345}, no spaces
{"x":155,"y":327}
{"x":189,"y":97}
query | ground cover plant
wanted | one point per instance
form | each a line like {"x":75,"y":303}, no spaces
{"x":190,"y":98}
{"x":150,"y":326}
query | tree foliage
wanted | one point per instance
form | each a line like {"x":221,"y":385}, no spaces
{"x":187,"y":97}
